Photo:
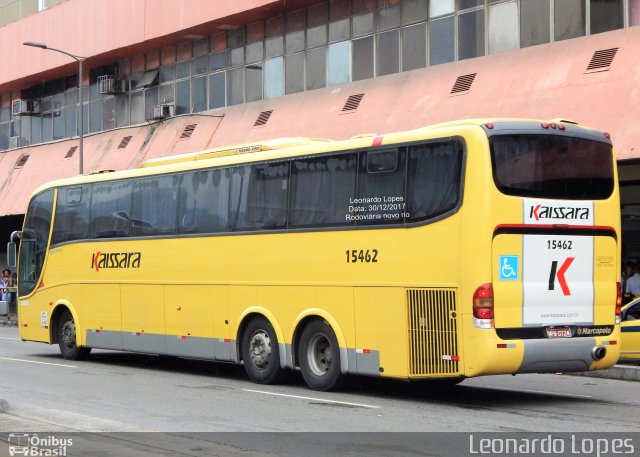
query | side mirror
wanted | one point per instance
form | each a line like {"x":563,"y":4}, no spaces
{"x":11,"y":254}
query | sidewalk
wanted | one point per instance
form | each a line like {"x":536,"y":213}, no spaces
{"x":9,"y":321}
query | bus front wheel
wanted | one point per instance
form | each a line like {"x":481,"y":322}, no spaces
{"x":260,"y":352}
{"x":67,"y":339}
{"x":319,"y":357}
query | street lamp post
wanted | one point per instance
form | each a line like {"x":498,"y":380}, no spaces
{"x":78,"y":59}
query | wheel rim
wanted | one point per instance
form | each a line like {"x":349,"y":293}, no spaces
{"x":68,"y":334}
{"x":260,"y":349}
{"x":319,"y":354}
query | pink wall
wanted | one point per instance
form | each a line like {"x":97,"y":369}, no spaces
{"x":94,"y":27}
{"x":540,"y":82}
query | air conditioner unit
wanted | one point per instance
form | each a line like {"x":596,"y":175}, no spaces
{"x":164,"y":110}
{"x":111,"y":84}
{"x":25,"y":107}
{"x":15,"y":142}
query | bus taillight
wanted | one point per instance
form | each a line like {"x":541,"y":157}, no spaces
{"x":618,"y":302}
{"x":483,"y":306}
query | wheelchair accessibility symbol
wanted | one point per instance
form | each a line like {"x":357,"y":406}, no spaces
{"x":509,"y":267}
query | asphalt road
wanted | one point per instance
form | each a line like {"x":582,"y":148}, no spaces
{"x":115,"y":391}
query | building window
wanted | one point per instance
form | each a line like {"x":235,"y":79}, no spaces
{"x":471,"y":34}
{"x":362,"y":65}
{"x":606,"y":15}
{"x":253,"y":81}
{"x":338,"y":63}
{"x":441,"y":7}
{"x":414,"y":47}
{"x":316,"y":68}
{"x":317,"y":25}
{"x":634,"y":12}
{"x":503,"y":27}
{"x":294,"y":73}
{"x":569,"y":19}
{"x":216,"y":90}
{"x":274,"y":77}
{"x":535,"y":27}
{"x":387,"y":47}
{"x":441,"y":41}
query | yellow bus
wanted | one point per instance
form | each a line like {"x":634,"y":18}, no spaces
{"x":461,"y":249}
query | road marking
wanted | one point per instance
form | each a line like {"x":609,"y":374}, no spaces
{"x":321,"y":400}
{"x":7,"y":338}
{"x":544,"y":392}
{"x":41,"y":363}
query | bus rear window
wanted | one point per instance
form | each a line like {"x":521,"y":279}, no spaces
{"x":552,"y":166}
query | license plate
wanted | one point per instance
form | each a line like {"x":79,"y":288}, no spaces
{"x":559,"y":332}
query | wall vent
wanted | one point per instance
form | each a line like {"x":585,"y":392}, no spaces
{"x":71,"y":152}
{"x":188,"y":131}
{"x":125,"y":141}
{"x":463,"y":84}
{"x":263,"y":118}
{"x":352,"y":103}
{"x":22,"y":161}
{"x":601,"y":60}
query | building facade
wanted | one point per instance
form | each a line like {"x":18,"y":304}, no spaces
{"x":173,"y":76}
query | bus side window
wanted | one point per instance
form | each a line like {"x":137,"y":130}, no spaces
{"x":203,"y":201}
{"x":110,"y":209}
{"x":72,"y":214}
{"x":153,"y":210}
{"x":434,"y":177}
{"x":321,"y":190}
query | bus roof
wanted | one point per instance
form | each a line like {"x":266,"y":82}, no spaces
{"x":289,"y":147}
{"x":267,"y":145}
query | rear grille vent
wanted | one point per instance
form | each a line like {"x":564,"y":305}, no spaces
{"x":601,"y":60}
{"x":263,"y":118}
{"x":433,"y":339}
{"x":188,"y":131}
{"x":125,"y":141}
{"x":71,"y":152}
{"x":463,"y":84}
{"x":352,"y":103}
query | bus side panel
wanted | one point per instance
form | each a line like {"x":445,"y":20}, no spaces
{"x":189,"y":314}
{"x":100,"y":315}
{"x":606,"y":275}
{"x":381,"y":335}
{"x":143,"y":325}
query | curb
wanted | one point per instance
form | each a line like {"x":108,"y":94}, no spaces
{"x":9,"y":321}
{"x":620,"y":372}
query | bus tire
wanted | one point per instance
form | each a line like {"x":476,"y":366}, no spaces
{"x":67,"y":339}
{"x":260,"y":352}
{"x":319,"y":357}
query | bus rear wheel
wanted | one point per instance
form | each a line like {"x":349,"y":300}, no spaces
{"x":260,"y":352}
{"x":319,"y":357}
{"x":67,"y":339}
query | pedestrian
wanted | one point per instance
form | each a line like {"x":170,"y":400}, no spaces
{"x":633,"y":282}
{"x":7,"y":281}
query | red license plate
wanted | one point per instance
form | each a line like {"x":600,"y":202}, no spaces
{"x":559,"y":332}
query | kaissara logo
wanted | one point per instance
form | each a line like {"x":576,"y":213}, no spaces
{"x":100,"y":260}
{"x":558,"y":273}
{"x":539,"y":212}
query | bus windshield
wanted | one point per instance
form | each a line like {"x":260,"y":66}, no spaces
{"x":552,"y":166}
{"x":35,"y":237}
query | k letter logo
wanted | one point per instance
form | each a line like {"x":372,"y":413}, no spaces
{"x":559,"y":274}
